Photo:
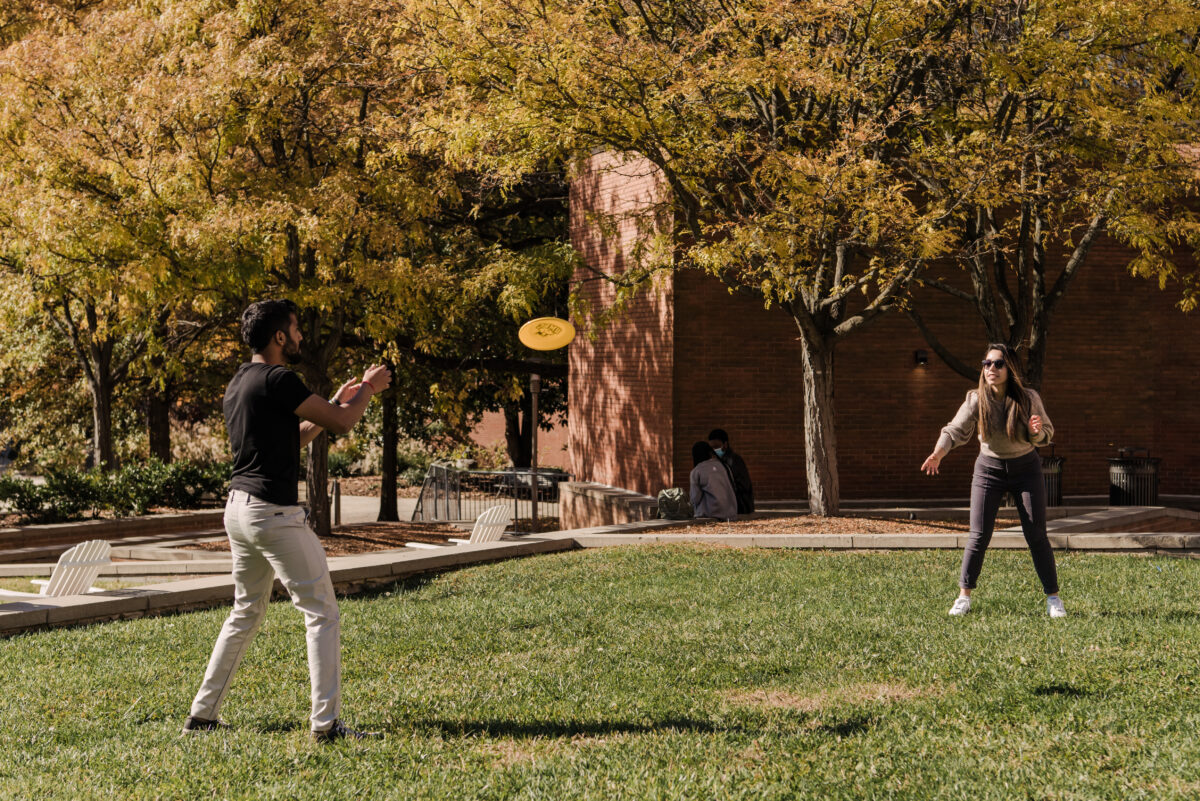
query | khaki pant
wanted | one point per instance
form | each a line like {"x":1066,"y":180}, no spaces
{"x":269,"y":540}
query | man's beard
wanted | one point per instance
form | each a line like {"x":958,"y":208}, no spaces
{"x":291,"y":352}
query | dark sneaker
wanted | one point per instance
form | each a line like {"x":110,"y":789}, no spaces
{"x":340,"y":731}
{"x":194,"y":725}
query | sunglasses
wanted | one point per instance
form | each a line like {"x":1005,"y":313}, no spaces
{"x":998,"y":364}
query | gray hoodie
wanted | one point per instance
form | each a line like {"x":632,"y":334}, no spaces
{"x":712,"y":494}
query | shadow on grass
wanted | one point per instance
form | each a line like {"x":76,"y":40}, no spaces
{"x":1150,"y":613}
{"x":848,"y":727}
{"x":1063,"y":690}
{"x":402,"y":587}
{"x":281,"y":726}
{"x":554,"y":728}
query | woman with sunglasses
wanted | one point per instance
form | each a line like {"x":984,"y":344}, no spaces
{"x":1009,"y":421}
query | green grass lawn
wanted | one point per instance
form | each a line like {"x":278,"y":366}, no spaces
{"x":650,"y":672}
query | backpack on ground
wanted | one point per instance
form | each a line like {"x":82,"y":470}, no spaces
{"x":674,"y":504}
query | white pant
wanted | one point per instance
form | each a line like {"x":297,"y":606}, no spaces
{"x":267,"y":539}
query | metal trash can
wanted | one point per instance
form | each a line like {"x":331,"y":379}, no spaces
{"x":1052,"y":467}
{"x":1132,"y":479}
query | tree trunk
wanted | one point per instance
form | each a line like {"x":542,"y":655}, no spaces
{"x":820,"y":439}
{"x":317,"y":485}
{"x":1035,"y":358}
{"x":317,"y":481}
{"x":102,"y":435}
{"x":158,"y":423}
{"x":518,"y":435}
{"x":387,"y":487}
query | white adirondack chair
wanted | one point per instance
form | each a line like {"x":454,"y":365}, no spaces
{"x":489,"y":525}
{"x":488,"y":528}
{"x":77,"y":568}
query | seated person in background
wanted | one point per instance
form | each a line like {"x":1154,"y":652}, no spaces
{"x":712,"y":493}
{"x":719,"y":441}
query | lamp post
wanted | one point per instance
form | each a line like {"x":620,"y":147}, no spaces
{"x":544,"y":334}
{"x":535,"y":389}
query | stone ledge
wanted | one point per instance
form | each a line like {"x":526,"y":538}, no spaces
{"x":120,"y":527}
{"x":18,"y":615}
{"x":97,"y":606}
{"x":200,"y":566}
{"x":588,"y":503}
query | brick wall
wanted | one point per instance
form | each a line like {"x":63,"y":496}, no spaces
{"x":1121,"y":371}
{"x":620,"y":396}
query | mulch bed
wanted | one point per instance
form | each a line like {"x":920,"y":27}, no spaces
{"x":524,"y":525}
{"x":368,"y":537}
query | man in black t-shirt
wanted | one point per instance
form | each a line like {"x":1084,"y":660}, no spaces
{"x":271,"y":415}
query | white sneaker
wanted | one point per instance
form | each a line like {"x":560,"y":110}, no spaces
{"x":1054,"y":606}
{"x":962,"y":605}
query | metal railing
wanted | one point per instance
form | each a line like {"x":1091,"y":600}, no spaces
{"x":452,"y":495}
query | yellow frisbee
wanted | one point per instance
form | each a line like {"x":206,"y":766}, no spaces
{"x":546,"y":333}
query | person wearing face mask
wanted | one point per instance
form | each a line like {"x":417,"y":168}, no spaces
{"x":739,"y":476}
{"x":1009,"y":421}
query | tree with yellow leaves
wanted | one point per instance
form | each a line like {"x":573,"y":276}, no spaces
{"x":1060,"y":123}
{"x":824,"y":154}
{"x":769,"y":122}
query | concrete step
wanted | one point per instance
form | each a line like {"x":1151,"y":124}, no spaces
{"x":151,"y":554}
{"x":198,"y":567}
{"x":33,"y":553}
{"x":71,"y":533}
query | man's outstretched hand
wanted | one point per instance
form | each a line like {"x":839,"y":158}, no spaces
{"x":378,"y":377}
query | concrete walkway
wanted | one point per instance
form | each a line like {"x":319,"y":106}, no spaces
{"x":355,"y":573}
{"x":359,"y":509}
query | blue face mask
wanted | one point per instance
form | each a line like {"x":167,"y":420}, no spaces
{"x":720,"y":451}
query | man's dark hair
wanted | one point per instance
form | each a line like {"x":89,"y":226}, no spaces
{"x":261,"y":320}
{"x":718,"y":433}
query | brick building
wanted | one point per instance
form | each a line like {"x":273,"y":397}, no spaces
{"x":1123,"y":369}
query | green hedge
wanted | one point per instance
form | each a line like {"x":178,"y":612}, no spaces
{"x":75,"y":494}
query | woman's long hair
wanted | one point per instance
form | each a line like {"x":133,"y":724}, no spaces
{"x":702,"y":452}
{"x":1016,"y":399}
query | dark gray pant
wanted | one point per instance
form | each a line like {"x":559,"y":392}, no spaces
{"x":1023,"y":478}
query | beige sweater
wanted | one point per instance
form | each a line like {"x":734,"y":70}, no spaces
{"x":998,"y":444}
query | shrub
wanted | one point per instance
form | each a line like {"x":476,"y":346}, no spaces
{"x":24,"y":497}
{"x":71,"y":494}
{"x":189,"y":483}
{"x":135,"y":488}
{"x":412,"y":477}
{"x":183,"y":485}
{"x":341,"y":464}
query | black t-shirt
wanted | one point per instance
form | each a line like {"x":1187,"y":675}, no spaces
{"x":264,"y":431}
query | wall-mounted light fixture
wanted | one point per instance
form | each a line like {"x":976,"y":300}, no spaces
{"x":921,"y":357}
